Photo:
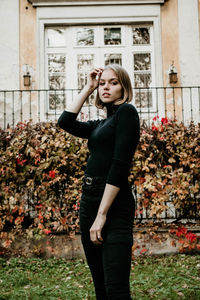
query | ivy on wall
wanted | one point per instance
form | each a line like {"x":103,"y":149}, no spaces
{"x":41,"y":170}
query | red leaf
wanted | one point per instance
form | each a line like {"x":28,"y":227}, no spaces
{"x":143,"y":250}
{"x":52,"y":174}
{"x":46,"y":231}
{"x":164,"y":121}
{"x":154,"y":128}
{"x":181,"y":231}
{"x":191,"y":237}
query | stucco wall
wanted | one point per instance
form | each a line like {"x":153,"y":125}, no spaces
{"x":181,"y":44}
{"x":189,"y":46}
{"x":170,"y":38}
{"x":9,"y":44}
{"x":176,"y":28}
{"x":28,"y":42}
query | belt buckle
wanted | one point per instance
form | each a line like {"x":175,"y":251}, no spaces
{"x":88,"y":180}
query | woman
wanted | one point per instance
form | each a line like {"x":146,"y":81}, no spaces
{"x":107,"y":204}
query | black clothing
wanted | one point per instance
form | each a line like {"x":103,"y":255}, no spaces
{"x":110,"y":262}
{"x":112,"y":143}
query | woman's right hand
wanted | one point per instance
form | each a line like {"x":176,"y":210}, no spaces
{"x":93,"y":78}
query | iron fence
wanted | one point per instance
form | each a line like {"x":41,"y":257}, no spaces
{"x":171,"y":214}
{"x":180,"y":103}
{"x":188,"y":214}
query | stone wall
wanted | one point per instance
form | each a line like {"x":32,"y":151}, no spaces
{"x":146,"y":242}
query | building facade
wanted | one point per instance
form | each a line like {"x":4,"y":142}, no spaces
{"x":55,"y":44}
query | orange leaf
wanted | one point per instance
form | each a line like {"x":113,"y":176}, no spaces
{"x":7,"y":243}
{"x":19,"y":220}
{"x":173,"y":243}
{"x":40,"y":226}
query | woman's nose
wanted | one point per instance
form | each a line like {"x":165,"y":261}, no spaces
{"x":106,"y":86}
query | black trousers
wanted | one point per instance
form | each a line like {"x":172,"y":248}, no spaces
{"x":110,"y":262}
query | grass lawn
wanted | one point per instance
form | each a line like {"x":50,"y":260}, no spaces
{"x":166,"y":277}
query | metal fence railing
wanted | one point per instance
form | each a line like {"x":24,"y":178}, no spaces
{"x":188,"y":214}
{"x":180,"y":103}
{"x":171,"y":214}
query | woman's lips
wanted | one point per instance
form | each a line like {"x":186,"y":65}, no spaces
{"x":106,"y":95}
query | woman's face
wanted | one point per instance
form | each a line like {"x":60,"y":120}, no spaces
{"x":110,"y":89}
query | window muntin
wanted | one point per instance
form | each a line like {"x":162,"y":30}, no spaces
{"x":142,"y":79}
{"x":56,"y":68}
{"x":85,"y":63}
{"x":76,"y":50}
{"x":56,"y":71}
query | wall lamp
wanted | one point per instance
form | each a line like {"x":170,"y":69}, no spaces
{"x":27,"y":77}
{"x":173,"y":76}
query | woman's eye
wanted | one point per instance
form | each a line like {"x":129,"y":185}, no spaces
{"x":115,"y":82}
{"x":101,"y":83}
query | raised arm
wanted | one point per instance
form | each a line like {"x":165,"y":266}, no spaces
{"x":67,"y":120}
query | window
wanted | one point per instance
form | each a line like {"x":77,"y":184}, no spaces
{"x":85,"y":37}
{"x":72,"y":51}
{"x":112,"y":36}
{"x":141,"y":35}
{"x":56,"y":68}
{"x":142,"y":65}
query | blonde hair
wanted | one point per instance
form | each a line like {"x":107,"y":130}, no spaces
{"x":124,"y":80}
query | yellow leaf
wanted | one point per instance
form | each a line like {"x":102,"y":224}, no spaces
{"x":171,"y":160}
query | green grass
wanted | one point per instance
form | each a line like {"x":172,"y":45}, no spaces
{"x":166,"y":277}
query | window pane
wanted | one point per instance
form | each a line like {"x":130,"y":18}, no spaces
{"x":142,"y":80}
{"x":142,"y":61}
{"x":143,"y":99}
{"x":112,"y":36}
{"x":56,"y":101}
{"x":56,"y":63}
{"x":141,"y":35}
{"x":113,"y":59}
{"x":56,"y":37}
{"x":56,"y":82}
{"x":85,"y":64}
{"x":85,"y":37}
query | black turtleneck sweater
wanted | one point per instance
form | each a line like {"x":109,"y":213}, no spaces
{"x":111,"y":142}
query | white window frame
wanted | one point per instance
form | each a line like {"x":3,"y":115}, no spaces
{"x":43,"y":3}
{"x":148,"y":14}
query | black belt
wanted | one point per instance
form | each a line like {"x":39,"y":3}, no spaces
{"x":93,"y":180}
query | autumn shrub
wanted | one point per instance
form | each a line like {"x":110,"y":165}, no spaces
{"x":166,"y":168}
{"x":41,"y":169}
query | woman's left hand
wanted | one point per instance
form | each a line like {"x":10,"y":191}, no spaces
{"x":95,"y":230}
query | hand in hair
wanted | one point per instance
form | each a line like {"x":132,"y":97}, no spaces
{"x":93,"y":78}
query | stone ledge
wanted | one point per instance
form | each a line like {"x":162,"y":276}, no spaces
{"x":60,"y":246}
